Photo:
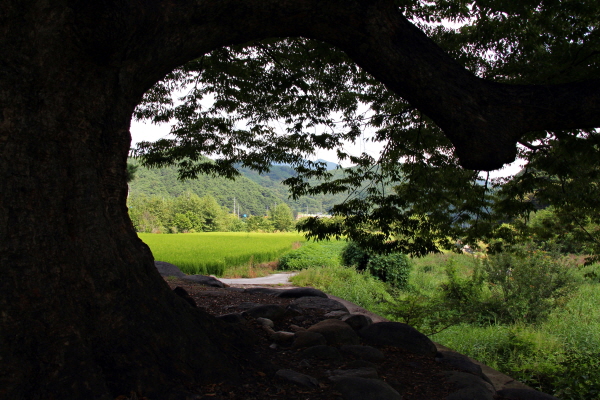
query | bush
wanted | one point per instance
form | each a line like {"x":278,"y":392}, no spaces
{"x":527,"y":285}
{"x":355,"y":256}
{"x":579,"y":378}
{"x":391,"y":268}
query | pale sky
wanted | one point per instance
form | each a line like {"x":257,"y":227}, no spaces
{"x":150,"y":132}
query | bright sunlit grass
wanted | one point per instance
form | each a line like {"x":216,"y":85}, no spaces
{"x":211,"y":253}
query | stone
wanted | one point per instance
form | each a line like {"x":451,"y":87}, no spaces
{"x":282,"y":337}
{"x":308,"y":339}
{"x":297,"y":328}
{"x":357,"y":321}
{"x":319,"y":303}
{"x":234,"y":318}
{"x":524,"y":394}
{"x":367,"y":353}
{"x":361,"y":364}
{"x":365,"y":389}
{"x":398,"y":335}
{"x":336,"y":332}
{"x":267,"y":291}
{"x":205,"y":280}
{"x":265,"y":322}
{"x":369,"y":373}
{"x":296,"y":293}
{"x":297,"y":378}
{"x":336,"y":314}
{"x":469,"y":386}
{"x":166,"y":269}
{"x":244,"y":306}
{"x":181,"y":292}
{"x":293,"y":311}
{"x":461,"y":362}
{"x":270,"y":311}
{"x":322,"y":352}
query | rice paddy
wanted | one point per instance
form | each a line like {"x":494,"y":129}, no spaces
{"x":212,"y":253}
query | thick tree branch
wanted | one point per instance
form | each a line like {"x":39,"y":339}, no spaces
{"x":483,"y":119}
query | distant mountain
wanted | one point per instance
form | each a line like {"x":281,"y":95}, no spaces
{"x":253,"y":193}
{"x":330,"y":165}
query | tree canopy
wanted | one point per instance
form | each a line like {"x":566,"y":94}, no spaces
{"x":236,"y":97}
{"x":85,"y":313}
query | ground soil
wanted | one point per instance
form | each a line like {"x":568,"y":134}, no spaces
{"x":414,"y":377}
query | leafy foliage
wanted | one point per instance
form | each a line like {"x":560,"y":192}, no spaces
{"x":282,"y":217}
{"x":527,"y":285}
{"x":391,"y":268}
{"x":322,"y":100}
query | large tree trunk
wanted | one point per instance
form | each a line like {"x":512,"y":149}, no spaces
{"x":83,"y":312}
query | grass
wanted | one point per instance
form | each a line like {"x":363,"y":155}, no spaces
{"x":357,"y":287}
{"x":313,"y":254}
{"x":559,"y":355}
{"x":216,"y":253}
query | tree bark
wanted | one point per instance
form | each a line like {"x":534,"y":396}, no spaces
{"x":83,"y":312}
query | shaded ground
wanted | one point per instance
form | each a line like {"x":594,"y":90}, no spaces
{"x":415,"y":377}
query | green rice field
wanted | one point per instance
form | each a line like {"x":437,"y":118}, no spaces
{"x":211,"y":253}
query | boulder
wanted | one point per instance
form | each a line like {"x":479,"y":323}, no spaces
{"x":322,"y":352}
{"x":181,"y":292}
{"x":336,"y":332}
{"x":462,"y":362}
{"x":269,"y":311}
{"x":360,"y":364}
{"x":166,"y":269}
{"x":234,"y":318}
{"x":398,"y":335}
{"x":336,"y":314}
{"x":366,"y":372}
{"x":308,"y":339}
{"x":205,"y":280}
{"x":282,"y":337}
{"x":469,"y":386}
{"x":367,"y":353}
{"x":260,"y":290}
{"x":365,"y":389}
{"x":357,"y":321}
{"x":265,"y":322}
{"x":297,"y":378}
{"x":319,"y":303}
{"x":296,"y":293}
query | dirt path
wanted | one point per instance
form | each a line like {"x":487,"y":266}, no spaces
{"x":282,"y":279}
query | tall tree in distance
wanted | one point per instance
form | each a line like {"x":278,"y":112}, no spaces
{"x":85,"y":314}
{"x":282,"y":217}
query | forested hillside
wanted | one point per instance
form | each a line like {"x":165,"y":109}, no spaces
{"x":254,"y":193}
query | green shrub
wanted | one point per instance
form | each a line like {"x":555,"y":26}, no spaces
{"x":462,"y":289}
{"x":579,"y":378}
{"x":527,"y":285}
{"x":391,"y":268}
{"x":316,"y":254}
{"x":355,"y":256}
{"x":428,"y":315}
